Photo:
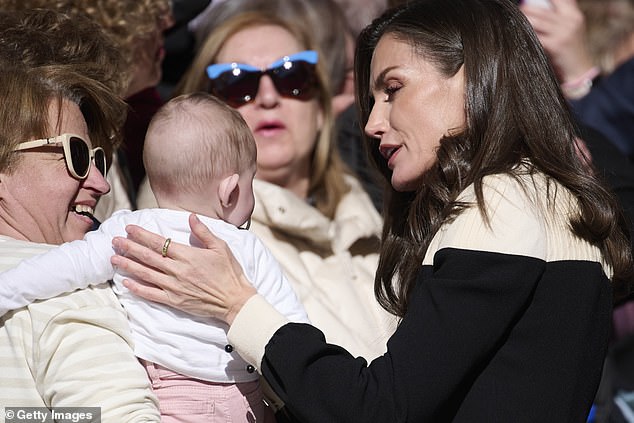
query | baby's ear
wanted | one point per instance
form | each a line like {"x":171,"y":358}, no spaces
{"x":3,"y":186}
{"x":227,"y":189}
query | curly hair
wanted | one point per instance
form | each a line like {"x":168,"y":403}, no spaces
{"x":125,"y":21}
{"x":38,"y":37}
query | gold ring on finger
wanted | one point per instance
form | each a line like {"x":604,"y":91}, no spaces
{"x":166,"y":245}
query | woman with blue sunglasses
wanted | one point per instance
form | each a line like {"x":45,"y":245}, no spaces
{"x":313,"y":215}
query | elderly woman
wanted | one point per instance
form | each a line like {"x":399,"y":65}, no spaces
{"x":74,"y":349}
{"x":501,"y":252}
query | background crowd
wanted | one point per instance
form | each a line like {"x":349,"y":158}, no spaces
{"x":103,"y":69}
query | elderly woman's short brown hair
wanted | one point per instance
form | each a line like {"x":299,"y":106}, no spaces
{"x":27,"y":95}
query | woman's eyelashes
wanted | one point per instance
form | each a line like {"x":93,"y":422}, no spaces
{"x":390,"y":89}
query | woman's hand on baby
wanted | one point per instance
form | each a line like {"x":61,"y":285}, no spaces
{"x":206,"y":282}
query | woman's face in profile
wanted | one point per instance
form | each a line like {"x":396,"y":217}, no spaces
{"x":285,"y":129}
{"x":414,"y":107}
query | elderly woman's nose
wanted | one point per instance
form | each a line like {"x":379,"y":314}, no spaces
{"x":96,"y":181}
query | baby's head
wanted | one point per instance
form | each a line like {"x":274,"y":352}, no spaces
{"x":200,"y":156}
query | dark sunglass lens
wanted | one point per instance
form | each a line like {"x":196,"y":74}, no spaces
{"x":234,"y":88}
{"x":297,"y":80}
{"x":100,"y":161}
{"x":79,"y":156}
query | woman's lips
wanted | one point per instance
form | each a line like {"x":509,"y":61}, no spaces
{"x":389,"y":152}
{"x":269,"y":128}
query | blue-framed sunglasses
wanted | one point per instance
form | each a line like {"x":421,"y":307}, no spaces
{"x":236,"y":84}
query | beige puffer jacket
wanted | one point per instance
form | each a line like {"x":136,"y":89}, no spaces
{"x":330,"y":263}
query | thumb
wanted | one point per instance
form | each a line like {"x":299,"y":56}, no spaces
{"x":202,"y":232}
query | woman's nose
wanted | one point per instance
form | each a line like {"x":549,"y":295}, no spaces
{"x":267,"y":95}
{"x":96,"y":181}
{"x":376,"y":125}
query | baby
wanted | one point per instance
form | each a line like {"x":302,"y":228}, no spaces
{"x":200,"y":157}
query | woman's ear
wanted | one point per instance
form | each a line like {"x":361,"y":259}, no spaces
{"x":228,"y":189}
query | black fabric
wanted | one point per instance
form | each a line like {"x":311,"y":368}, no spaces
{"x":614,"y":167}
{"x":488,"y":337}
{"x":618,"y":378}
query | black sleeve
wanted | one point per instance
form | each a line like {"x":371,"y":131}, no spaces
{"x":461,"y":311}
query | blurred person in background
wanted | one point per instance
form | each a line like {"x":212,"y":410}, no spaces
{"x":591,"y":46}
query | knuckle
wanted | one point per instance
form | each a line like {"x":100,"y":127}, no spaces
{"x":146,"y":255}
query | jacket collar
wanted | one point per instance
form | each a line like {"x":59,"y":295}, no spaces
{"x":282,"y":211}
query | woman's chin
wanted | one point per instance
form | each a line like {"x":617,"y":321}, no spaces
{"x":404,"y":184}
{"x":400,"y":186}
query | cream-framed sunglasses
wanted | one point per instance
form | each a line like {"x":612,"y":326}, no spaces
{"x":77,"y":153}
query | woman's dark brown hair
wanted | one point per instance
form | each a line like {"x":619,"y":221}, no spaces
{"x":515,"y":113}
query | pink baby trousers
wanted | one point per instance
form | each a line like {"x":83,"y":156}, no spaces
{"x":186,"y":400}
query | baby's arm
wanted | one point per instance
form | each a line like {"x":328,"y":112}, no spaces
{"x":70,"y":266}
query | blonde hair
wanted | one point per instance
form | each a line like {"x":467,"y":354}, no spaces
{"x":609,"y":28}
{"x":327,"y":186}
{"x":331,"y":39}
{"x":193,"y":139}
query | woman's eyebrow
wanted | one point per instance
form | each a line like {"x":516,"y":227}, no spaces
{"x":379,"y":81}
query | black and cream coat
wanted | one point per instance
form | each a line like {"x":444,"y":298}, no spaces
{"x":509,"y":322}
